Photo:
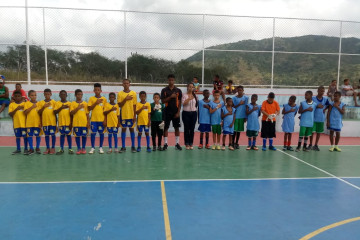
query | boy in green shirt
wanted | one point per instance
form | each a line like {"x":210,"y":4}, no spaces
{"x":157,"y":121}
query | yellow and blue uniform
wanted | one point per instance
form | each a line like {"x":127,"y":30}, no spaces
{"x":80,"y":119}
{"x":143,"y":117}
{"x":19,"y":119}
{"x":64,"y":117}
{"x":48,"y":117}
{"x":97,"y":114}
{"x":112,"y":118}
{"x":33,"y":121}
{"x":127,"y":113}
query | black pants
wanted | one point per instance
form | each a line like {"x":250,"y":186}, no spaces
{"x":156,"y":131}
{"x":189,"y":121}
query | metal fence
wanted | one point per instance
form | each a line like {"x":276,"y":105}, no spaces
{"x":254,"y":51}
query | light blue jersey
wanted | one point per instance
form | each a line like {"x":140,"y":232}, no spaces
{"x":228,"y":120}
{"x":253,"y":118}
{"x":307,"y":118}
{"x":216,"y":116}
{"x":240,"y":110}
{"x":289,"y":118}
{"x":204,"y":113}
{"x":319,"y":112}
{"x":336,"y":117}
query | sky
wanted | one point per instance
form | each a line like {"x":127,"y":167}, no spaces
{"x":103,"y":31}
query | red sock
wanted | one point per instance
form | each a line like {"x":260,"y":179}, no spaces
{"x":289,"y":143}
{"x":285,"y":143}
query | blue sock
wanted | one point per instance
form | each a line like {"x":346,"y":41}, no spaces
{"x":249,"y":142}
{"x":271,"y":142}
{"x":69,"y":140}
{"x":123,"y":138}
{"x":18,"y":144}
{"x":93,"y":135}
{"x":254,"y":143}
{"x":77,"y":140}
{"x":110,"y":140}
{"x":148,"y":141}
{"x":30,"y":141}
{"x":139,"y":141}
{"x":62,"y":141}
{"x":101,"y":139}
{"x":53,"y":139}
{"x":47,"y":141}
{"x":132,"y":135}
{"x":38,"y":141}
{"x":115,"y":140}
{"x":25,"y":143}
{"x":264,"y":142}
{"x":84,"y":141}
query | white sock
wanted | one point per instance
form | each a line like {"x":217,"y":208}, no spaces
{"x":165,"y":140}
{"x":177,"y":139}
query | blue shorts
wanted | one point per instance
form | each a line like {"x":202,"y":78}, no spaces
{"x":49,"y":130}
{"x":228,"y":133}
{"x":20,"y":132}
{"x":6,"y":102}
{"x":334,"y":129}
{"x":142,"y":128}
{"x":97,"y":127}
{"x":80,"y":131}
{"x":33,"y":131}
{"x":127,"y":123}
{"x":112,"y":130}
{"x":204,"y":128}
{"x":64,"y":130}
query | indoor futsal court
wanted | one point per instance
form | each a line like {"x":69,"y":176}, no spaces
{"x":198,"y":194}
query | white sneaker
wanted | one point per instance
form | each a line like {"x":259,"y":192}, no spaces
{"x":101,"y":151}
{"x":92,"y":150}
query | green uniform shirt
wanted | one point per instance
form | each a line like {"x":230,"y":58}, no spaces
{"x":156,"y":114}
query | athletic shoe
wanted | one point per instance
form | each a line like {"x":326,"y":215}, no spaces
{"x":315,"y":148}
{"x":200,"y":146}
{"x":30,"y":152}
{"x":305,"y":149}
{"x":160,"y":148}
{"x":213,"y":147}
{"x":191,"y":148}
{"x":138,"y":149}
{"x":248,"y":147}
{"x":310,"y":147}
{"x":60,"y":152}
{"x":133,"y":149}
{"x":289,"y":148}
{"x":83,"y":151}
{"x":263,"y":148}
{"x":178,"y":147}
{"x":223,"y":148}
{"x":254,"y":148}
{"x":337,"y":149}
{"x":237,"y":146}
{"x":47,"y":151}
{"x":148,"y":149}
{"x":208,"y":146}
{"x":26,"y":152}
{"x":52,"y":151}
{"x":116,"y":150}
{"x":231,"y":148}
{"x":272,"y":148}
{"x":123,"y":149}
{"x":154,"y":148}
{"x":297,"y":149}
{"x":16,"y":152}
{"x":331,"y":149}
{"x":78,"y":152}
{"x":92,"y":150}
{"x":109,"y":151}
{"x":101,"y":150}
{"x":165,"y":146}
{"x":187,"y":147}
{"x":284,"y":148}
{"x":38,"y":151}
{"x":71,"y":151}
{"x":218,"y":147}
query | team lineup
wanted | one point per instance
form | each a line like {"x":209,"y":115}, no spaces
{"x":219,"y":116}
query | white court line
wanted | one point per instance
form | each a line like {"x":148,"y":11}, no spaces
{"x":330,"y":174}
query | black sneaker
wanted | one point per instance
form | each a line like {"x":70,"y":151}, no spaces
{"x":297,"y":149}
{"x":154,"y":148}
{"x":26,"y":152}
{"x":122,"y":150}
{"x":309,"y":147}
{"x":316,"y":148}
{"x":305,"y":149}
{"x":178,"y":147}
{"x":60,"y":152}
{"x":16,"y":152}
{"x":133,"y":150}
{"x":160,"y":148}
{"x":165,"y":146}
{"x":237,"y":146}
{"x":38,"y":151}
{"x":30,"y":152}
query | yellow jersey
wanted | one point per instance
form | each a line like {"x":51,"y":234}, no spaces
{"x":143,"y":117}
{"x":64,"y":115}
{"x":33,"y":117}
{"x":97,"y":114}
{"x":80,"y":117}
{"x":127,"y":111}
{"x":48,"y":117}
{"x":112,"y":118}
{"x":19,"y":118}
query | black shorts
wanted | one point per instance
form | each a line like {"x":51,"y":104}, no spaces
{"x":169,"y":117}
{"x":268,"y":129}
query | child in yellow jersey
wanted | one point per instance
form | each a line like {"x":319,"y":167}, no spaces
{"x":112,"y":113}
{"x":48,"y":120}
{"x":33,"y":122}
{"x":81,"y":122}
{"x":96,"y":107}
{"x":62,"y":108}
{"x":127,"y":102}
{"x":143,"y":110}
{"x":16,"y":111}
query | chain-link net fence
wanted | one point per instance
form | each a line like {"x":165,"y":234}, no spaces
{"x":82,"y":46}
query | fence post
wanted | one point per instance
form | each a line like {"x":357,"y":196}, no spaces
{"x":203,"y":54}
{"x":273,"y":56}
{"x":45,"y":50}
{"x":339,"y":61}
{"x":27,"y":44}
{"x":125,"y":42}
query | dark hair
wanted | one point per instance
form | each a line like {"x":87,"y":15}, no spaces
{"x":112,"y":94}
{"x":62,"y":92}
{"x":309,"y":92}
{"x":142,"y":92}
{"x":30,"y":92}
{"x":228,"y":98}
{"x":240,"y":86}
{"x":193,"y":93}
{"x":171,"y":76}
{"x":321,"y":87}
{"x":346,"y":79}
{"x":230,"y":81}
{"x":205,"y":90}
{"x":198,"y":78}
{"x":47,"y":90}
{"x":254,"y":95}
{"x":337,"y":93}
{"x":78,"y":91}
{"x":335,"y":80}
{"x":97,"y":85}
{"x":216,"y":91}
{"x":292,"y":97}
{"x":125,"y":79}
{"x":217,"y":76}
{"x":18,"y":84}
{"x":156,"y":94}
{"x":17,"y":92}
{"x":271,"y":95}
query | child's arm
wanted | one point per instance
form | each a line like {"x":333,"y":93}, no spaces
{"x":149,"y":117}
{"x":232,"y":124}
{"x":212,"y":110}
{"x":6,"y":94}
{"x":341,"y":110}
{"x":88,"y":121}
{"x":61,"y":108}
{"x":43,"y":108}
{"x":27,"y":111}
{"x":98,"y":101}
{"x":110,"y":110}
{"x":73,"y":112}
{"x":16,"y":109}
{"x":328,"y":116}
{"x":134,"y":107}
{"x":301,"y":109}
{"x":127,"y":98}
{"x":286,"y":112}
{"x":140,"y":110}
{"x":119,"y":123}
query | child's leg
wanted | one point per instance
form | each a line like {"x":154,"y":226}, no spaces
{"x":123,"y":137}
{"x":84,"y":138}
{"x":201,"y":138}
{"x":160,"y":135}
{"x":249,"y":142}
{"x":153,"y":133}
{"x":218,"y":139}
{"x":38,"y":141}
{"x":115,"y":140}
{"x":62,"y":141}
{"x":132,"y":136}
{"x":285,"y":139}
{"x":139,"y":139}
{"x":147,"y":139}
{"x":110,"y":136}
{"x":271,"y":140}
{"x":300,"y":141}
{"x":101,"y":139}
{"x":311,"y":139}
{"x":224,"y":139}
{"x":69,"y":141}
{"x":317,"y":138}
{"x":264,"y":142}
{"x":25,"y":143}
{"x":207,"y":138}
{"x":30,"y":142}
{"x":47,"y":141}
{"x":337,"y":138}
{"x":305,"y":141}
{"x":53,"y":141}
{"x":254,"y":142}
{"x":92,"y":139}
{"x":289,"y":139}
{"x":236,"y":138}
{"x":231,"y":141}
{"x":214,"y":138}
{"x":78,"y":143}
{"x":18,"y":140}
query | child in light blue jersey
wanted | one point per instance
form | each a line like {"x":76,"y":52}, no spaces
{"x":228,"y":116}
{"x":289,"y":111}
{"x":240,"y":101}
{"x":215,"y":112}
{"x":334,"y":121}
{"x":253,"y":111}
{"x":204,"y":119}
{"x":307,"y":109}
